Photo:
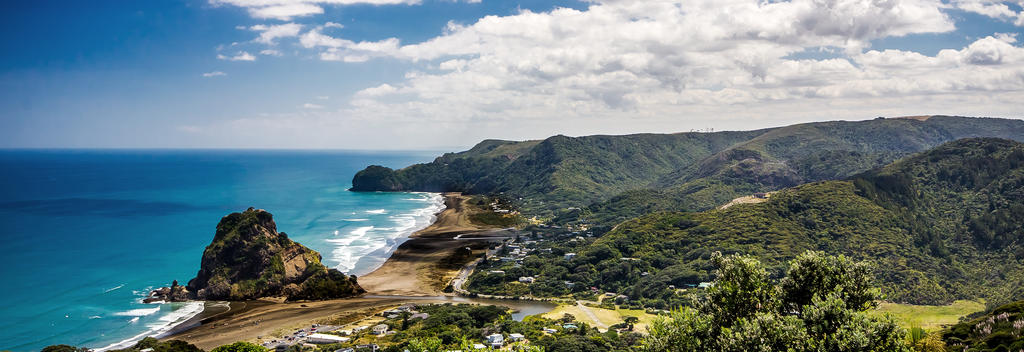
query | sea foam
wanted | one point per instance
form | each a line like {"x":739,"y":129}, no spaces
{"x":368,"y":247}
{"x":161,"y":326}
{"x":141,"y":312}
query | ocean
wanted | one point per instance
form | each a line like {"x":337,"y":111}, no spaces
{"x":87,"y":233}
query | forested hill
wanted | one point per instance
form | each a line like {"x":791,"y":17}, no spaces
{"x":620,"y":177}
{"x":941,"y":225}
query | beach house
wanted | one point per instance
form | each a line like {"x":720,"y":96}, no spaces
{"x":495,"y":340}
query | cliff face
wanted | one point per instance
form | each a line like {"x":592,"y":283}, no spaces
{"x":249,"y":259}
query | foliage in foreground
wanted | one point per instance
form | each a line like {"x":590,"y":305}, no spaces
{"x":822,"y":305}
{"x":1000,"y":330}
{"x":149,"y":342}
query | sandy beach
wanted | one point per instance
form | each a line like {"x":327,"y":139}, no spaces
{"x":422,"y":266}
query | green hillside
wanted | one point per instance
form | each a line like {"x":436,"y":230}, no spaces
{"x":941,"y":225}
{"x":620,"y":177}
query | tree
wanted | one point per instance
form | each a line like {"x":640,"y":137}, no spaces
{"x":744,"y":311}
{"x":405,"y":319}
{"x":630,"y":321}
{"x":429,"y":344}
{"x":63,"y":348}
{"x":741,"y":290}
{"x":816,"y":274}
{"x":240,"y":346}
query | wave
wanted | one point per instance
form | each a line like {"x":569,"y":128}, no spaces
{"x":368,"y":247}
{"x":361,"y":231}
{"x":357,"y":220}
{"x":162,"y":326}
{"x":377,"y":211}
{"x":113,"y":288}
{"x":141,"y":312}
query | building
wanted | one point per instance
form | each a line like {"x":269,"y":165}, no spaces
{"x":569,"y":256}
{"x":478,"y":346}
{"x":495,"y":340}
{"x":704,"y":285}
{"x":516,"y":337}
{"x":527,"y":279}
{"x":379,"y":329}
{"x":323,"y":339}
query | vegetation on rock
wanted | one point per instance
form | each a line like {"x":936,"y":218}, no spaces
{"x":249,"y":259}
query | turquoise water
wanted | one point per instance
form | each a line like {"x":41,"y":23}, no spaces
{"x":86,"y":234}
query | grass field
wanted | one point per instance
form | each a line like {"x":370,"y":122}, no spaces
{"x":605,"y":317}
{"x":930,"y":318}
{"x":645,"y":318}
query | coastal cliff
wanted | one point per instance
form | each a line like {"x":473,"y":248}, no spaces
{"x":249,"y":259}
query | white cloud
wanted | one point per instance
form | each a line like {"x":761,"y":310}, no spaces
{"x":314,"y":38}
{"x":240,"y":56}
{"x":270,"y":52}
{"x":312,"y":106}
{"x":286,"y":10}
{"x":214,"y":74}
{"x":667,"y":65}
{"x":997,"y":9}
{"x":269,"y":33}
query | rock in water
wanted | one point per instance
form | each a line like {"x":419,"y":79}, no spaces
{"x":249,"y":259}
{"x":375,"y":178}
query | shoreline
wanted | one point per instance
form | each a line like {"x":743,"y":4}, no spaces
{"x":416,"y":271}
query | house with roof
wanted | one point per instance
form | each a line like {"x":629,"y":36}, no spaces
{"x":496,"y":340}
{"x":379,"y":329}
{"x":323,"y":339}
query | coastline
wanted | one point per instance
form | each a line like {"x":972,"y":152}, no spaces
{"x":421,"y":253}
{"x":417,"y":271}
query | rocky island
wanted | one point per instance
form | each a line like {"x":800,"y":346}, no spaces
{"x":248,"y":259}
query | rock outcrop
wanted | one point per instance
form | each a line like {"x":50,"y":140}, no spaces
{"x":248,"y":259}
{"x":376,"y":178}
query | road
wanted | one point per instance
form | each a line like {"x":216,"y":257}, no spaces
{"x":590,"y":314}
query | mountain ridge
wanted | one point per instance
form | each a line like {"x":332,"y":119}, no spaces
{"x":687,"y":170}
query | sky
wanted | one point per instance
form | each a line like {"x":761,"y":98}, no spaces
{"x":445,"y":74}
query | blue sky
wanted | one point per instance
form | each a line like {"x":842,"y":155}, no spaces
{"x":412,"y":74}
